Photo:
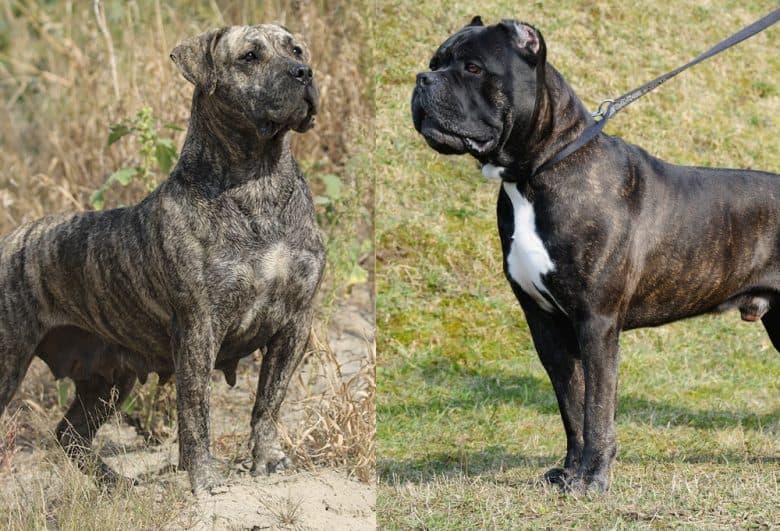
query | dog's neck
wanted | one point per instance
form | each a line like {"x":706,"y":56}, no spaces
{"x":559,"y":118}
{"x":229,"y":148}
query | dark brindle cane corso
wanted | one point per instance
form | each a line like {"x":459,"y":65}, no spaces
{"x":608,"y":239}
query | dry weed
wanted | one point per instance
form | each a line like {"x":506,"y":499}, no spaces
{"x":287,"y":512}
{"x":9,"y":430}
{"x":339,"y":416}
{"x":46,"y":490}
{"x":69,"y":70}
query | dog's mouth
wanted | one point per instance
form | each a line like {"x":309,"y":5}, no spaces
{"x":450,"y":142}
{"x":300,"y":119}
{"x":308,"y":109}
{"x":453,"y":136}
{"x":480,"y":147}
{"x":309,"y":120}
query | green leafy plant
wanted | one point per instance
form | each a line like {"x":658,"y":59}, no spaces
{"x":330,"y":197}
{"x":337,"y":204}
{"x":151,"y":409}
{"x":158,"y":154}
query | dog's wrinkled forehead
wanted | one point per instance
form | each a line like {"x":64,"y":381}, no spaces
{"x":467,"y":40}
{"x":491,"y":42}
{"x":267,"y":37}
{"x":201,"y":58}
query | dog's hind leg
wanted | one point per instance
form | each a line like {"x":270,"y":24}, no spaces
{"x":96,"y":398}
{"x":771,"y":320}
{"x":15,"y":358}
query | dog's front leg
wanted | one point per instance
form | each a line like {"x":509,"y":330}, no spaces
{"x":598,"y":339}
{"x":283,"y":355}
{"x":194,"y":352}
{"x":559,"y":352}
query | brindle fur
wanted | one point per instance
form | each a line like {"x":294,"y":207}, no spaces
{"x":636,"y":241}
{"x":223,"y":258}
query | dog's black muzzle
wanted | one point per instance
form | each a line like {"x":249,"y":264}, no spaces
{"x":302,"y":73}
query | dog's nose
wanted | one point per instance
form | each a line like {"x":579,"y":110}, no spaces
{"x":424,"y":78}
{"x":302,"y":73}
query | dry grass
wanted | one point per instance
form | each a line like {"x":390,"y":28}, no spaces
{"x":286,"y":511}
{"x":334,"y":427}
{"x":58,"y":495}
{"x":339,"y":424}
{"x":58,"y":94}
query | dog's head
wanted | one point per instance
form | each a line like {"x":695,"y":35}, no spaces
{"x":482,"y":83}
{"x":261,"y":72}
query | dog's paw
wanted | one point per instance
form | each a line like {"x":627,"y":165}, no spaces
{"x":581,"y":484}
{"x":559,"y":476}
{"x":572,"y":481}
{"x":271,"y":461}
{"x":206,"y":477}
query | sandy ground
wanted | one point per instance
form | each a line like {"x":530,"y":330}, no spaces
{"x":300,"y":499}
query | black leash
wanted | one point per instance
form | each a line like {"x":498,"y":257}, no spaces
{"x":613,"y":106}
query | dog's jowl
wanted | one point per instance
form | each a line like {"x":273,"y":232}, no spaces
{"x":607,"y":239}
{"x":223,"y":258}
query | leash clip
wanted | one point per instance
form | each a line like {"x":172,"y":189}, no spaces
{"x":602,"y":109}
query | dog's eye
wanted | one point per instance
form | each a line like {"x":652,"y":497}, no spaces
{"x":249,"y":56}
{"x":471,"y":68}
{"x":297,"y":51}
{"x":433,"y":65}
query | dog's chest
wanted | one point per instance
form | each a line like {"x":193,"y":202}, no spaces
{"x":274,"y":284}
{"x":527,"y":259}
{"x":265,"y":262}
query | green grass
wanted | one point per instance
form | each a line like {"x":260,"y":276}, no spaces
{"x":467,"y":419}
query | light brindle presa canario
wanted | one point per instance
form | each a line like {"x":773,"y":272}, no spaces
{"x":223,"y":258}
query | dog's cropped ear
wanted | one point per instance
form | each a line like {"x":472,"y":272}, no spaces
{"x":526,"y":40}
{"x":195,"y":59}
{"x":476,"y":21}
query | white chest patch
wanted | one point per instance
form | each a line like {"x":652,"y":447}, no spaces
{"x":490,"y":171}
{"x":528,"y":260}
{"x":277,"y":262}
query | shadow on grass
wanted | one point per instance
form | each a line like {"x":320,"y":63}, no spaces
{"x":526,"y":469}
{"x":474,"y":464}
{"x":480,"y":388}
{"x":641,"y":410}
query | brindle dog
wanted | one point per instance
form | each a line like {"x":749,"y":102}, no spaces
{"x":223,"y":258}
{"x":607,"y":239}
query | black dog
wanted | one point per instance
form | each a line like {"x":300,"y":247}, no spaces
{"x":608,"y":239}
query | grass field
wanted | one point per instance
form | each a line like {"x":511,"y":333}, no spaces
{"x":467,"y":419}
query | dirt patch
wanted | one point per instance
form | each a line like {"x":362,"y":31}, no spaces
{"x":321,"y":500}
{"x":311,"y":496}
